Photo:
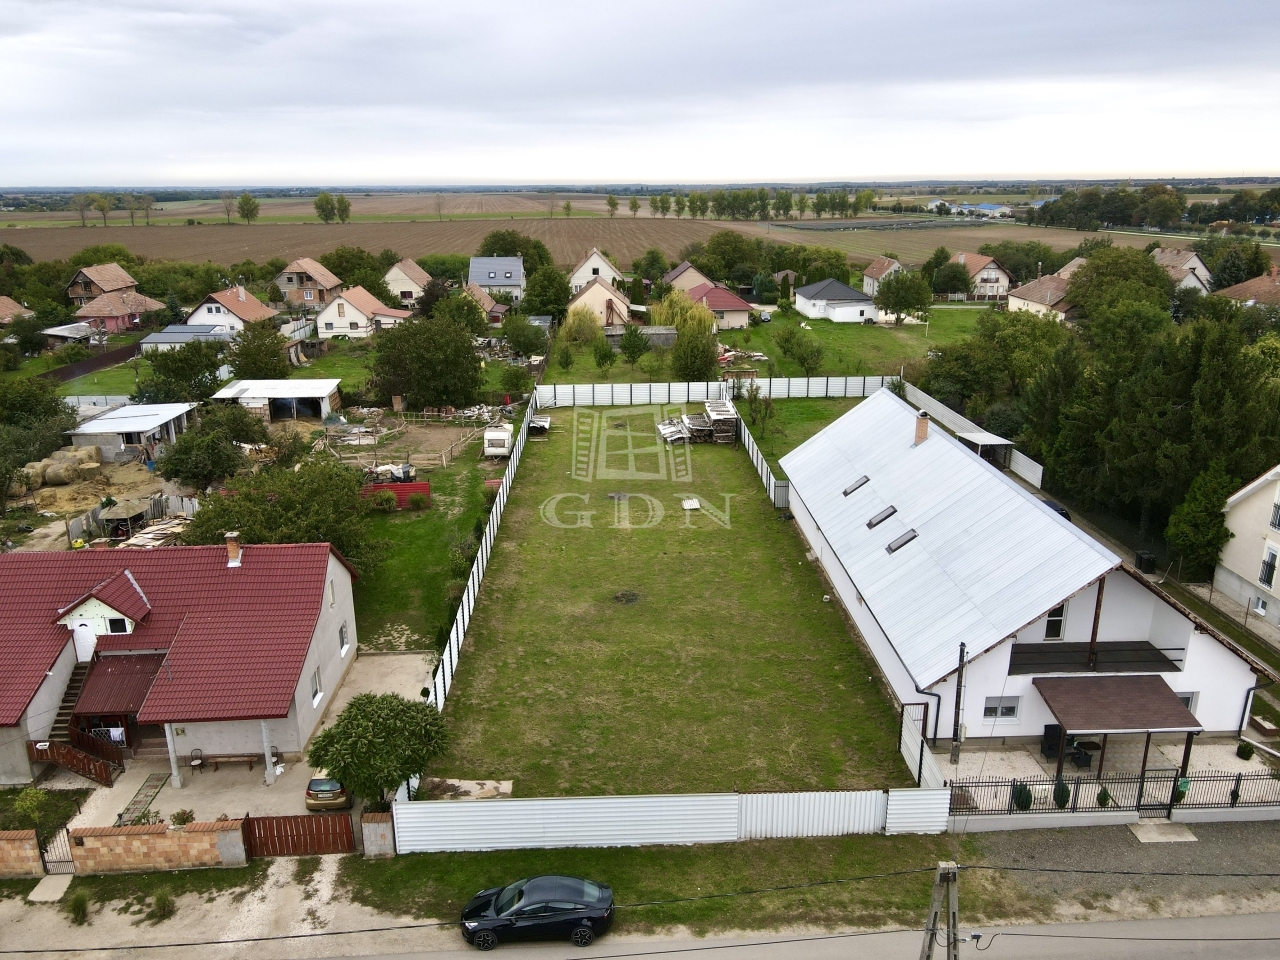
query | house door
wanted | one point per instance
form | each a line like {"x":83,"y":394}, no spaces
{"x":86,"y":639}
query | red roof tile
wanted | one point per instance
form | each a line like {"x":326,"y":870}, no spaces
{"x":121,"y":592}
{"x":717,"y":298}
{"x":118,"y":303}
{"x":878,"y":267}
{"x":371,"y":306}
{"x":239,"y":303}
{"x":118,"y":683}
{"x":108,"y":277}
{"x":236,"y":637}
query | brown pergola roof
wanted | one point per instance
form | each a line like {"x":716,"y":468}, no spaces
{"x":1116,"y":704}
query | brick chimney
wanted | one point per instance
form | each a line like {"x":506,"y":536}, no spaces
{"x":233,"y":548}
{"x":922,"y":430}
{"x":240,"y":291}
{"x":960,"y":258}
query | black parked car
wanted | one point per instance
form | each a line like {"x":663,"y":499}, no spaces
{"x":542,"y":908}
{"x":1057,"y":508}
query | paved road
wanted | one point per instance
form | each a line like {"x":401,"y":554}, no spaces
{"x":1220,"y":938}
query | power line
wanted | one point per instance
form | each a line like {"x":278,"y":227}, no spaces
{"x":779,"y":889}
{"x":1122,"y":873}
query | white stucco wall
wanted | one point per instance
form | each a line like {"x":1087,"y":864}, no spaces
{"x":342,"y":324}
{"x":215,"y":313}
{"x":325,"y":652}
{"x":584,"y":274}
{"x":399,"y":285}
{"x":1017,"y":303}
{"x":852,"y":312}
{"x":237,"y":737}
{"x":1250,"y":524}
{"x":813,"y":309}
{"x":37,"y":720}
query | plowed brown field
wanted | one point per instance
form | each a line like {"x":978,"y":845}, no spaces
{"x":224,"y":243}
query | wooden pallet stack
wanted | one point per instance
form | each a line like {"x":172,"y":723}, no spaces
{"x":724,"y":421}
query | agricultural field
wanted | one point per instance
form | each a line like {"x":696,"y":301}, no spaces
{"x":625,"y":645}
{"x":223,"y":243}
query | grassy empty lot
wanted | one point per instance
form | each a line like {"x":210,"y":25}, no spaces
{"x":620,"y":652}
{"x":794,"y":422}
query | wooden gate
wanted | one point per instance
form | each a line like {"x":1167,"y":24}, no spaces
{"x":300,"y":836}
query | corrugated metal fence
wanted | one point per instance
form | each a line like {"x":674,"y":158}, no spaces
{"x":1020,"y":463}
{"x":443,"y":825}
{"x":442,"y":678}
{"x":915,"y":750}
{"x":790,"y":388}
{"x":779,"y":491}
{"x":626,"y":394}
{"x":85,"y":526}
{"x":918,"y":810}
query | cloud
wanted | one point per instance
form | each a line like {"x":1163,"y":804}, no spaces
{"x":230,"y":92}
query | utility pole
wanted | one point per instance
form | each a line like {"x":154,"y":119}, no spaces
{"x":945,"y":889}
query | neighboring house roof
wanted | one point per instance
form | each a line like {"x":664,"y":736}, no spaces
{"x":108,"y":276}
{"x":481,"y":267}
{"x":879,"y":267}
{"x":600,"y":282}
{"x":187,"y":332}
{"x":717,"y":297}
{"x":1263,"y":289}
{"x":236,"y":637}
{"x":276,"y":389}
{"x":1172,"y":257}
{"x":671,"y":275}
{"x":594,"y":251}
{"x":10,"y":309}
{"x":412,"y":272}
{"x":975,"y":263}
{"x":1180,"y":274}
{"x":1071,"y":267}
{"x":987,"y":560}
{"x":318,"y":272}
{"x":1250,"y":488}
{"x":119,"y":303}
{"x":118,"y":684}
{"x":789,"y":274}
{"x":134,"y":418}
{"x":70,"y":331}
{"x":833,"y":291}
{"x":479,"y":296}
{"x":240,"y":303}
{"x":369,"y":305}
{"x":1049,"y":290}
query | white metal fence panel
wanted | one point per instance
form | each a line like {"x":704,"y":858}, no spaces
{"x":444,"y":825}
{"x":1027,"y":469}
{"x":626,"y":394}
{"x":95,"y":401}
{"x":825,"y":814}
{"x":917,"y":810}
{"x":1019,"y":463}
{"x":915,"y":751}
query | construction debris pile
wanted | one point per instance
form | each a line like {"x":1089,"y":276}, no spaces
{"x":718,"y":425}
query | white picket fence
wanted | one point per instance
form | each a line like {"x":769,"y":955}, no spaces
{"x":779,"y":491}
{"x":433,"y":826}
{"x":442,"y":677}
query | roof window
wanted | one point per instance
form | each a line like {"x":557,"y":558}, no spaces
{"x":856,"y":484}
{"x":508,"y":274}
{"x":881,"y":517}
{"x":492,"y":274}
{"x":896,"y":545}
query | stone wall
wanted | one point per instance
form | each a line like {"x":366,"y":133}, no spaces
{"x":379,"y":835}
{"x":20,"y":854}
{"x":145,"y":848}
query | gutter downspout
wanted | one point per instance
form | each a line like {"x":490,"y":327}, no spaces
{"x":1248,"y":702}
{"x":175,"y":772}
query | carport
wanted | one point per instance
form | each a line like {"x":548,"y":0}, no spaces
{"x":284,"y":399}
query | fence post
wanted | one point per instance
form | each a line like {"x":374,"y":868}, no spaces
{"x":1013,"y":788}
{"x":1235,"y":793}
{"x":1075,"y":796}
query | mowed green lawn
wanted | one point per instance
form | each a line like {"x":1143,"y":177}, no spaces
{"x":849,"y":349}
{"x":794,"y":422}
{"x":119,"y":380}
{"x":616,"y":650}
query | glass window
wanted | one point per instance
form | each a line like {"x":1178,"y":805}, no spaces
{"x":306,"y":295}
{"x":117,"y":625}
{"x":328,"y":326}
{"x":1000,"y":708}
{"x":342,"y":309}
{"x":316,"y":691}
{"x":1053,"y":626}
{"x":509,"y":898}
{"x":343,"y":644}
{"x":332,"y":596}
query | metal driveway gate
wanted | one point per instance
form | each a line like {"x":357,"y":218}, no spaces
{"x":55,"y":852}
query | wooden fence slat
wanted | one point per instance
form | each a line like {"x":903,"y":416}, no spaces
{"x":301,"y":835}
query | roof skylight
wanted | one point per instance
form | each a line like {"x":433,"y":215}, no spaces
{"x":856,"y":484}
{"x":881,"y":517}
{"x":896,"y":545}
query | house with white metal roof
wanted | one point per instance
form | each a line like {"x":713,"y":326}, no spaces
{"x":284,"y":399}
{"x":496,"y":275}
{"x":140,"y":424}
{"x":176,"y":335}
{"x":960,"y":579}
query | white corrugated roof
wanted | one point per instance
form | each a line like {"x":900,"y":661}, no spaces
{"x":988,"y":559}
{"x":276,"y":389}
{"x":134,"y":418}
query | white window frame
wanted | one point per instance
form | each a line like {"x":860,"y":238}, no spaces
{"x":317,"y":689}
{"x":1259,"y":606}
{"x":1189,"y":700}
{"x":1062,"y":622}
{"x":122,"y":620}
{"x":307,"y":295}
{"x":342,"y":309}
{"x":344,"y":640}
{"x":333,"y":596}
{"x":996,"y":709}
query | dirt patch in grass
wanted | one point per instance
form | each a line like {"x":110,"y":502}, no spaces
{"x":728,"y":672}
{"x":136,"y":891}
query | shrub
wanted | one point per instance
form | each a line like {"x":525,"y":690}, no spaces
{"x":490,"y":498}
{"x":455,"y":589}
{"x":1180,"y":792}
{"x":1021,"y":796}
{"x":1244,"y":750}
{"x":163,"y":906}
{"x":1104,"y":797}
{"x":418,"y":501}
{"x":462,"y":552}
{"x":383,"y":500}
{"x":180,"y":818}
{"x":1061,"y":795}
{"x":78,"y":907}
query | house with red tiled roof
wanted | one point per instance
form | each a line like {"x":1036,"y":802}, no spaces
{"x":732,"y":312}
{"x":11,"y":310}
{"x":877,"y":270}
{"x":118,"y":311}
{"x":357,"y":313}
{"x":228,"y":650}
{"x":991,"y":281}
{"x":308,"y":283}
{"x":89,"y":283}
{"x":231,"y":308}
{"x":1046,"y":296}
{"x":406,"y":281}
{"x":1264,"y":289}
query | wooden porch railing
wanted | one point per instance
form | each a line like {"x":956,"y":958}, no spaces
{"x":73,"y":758}
{"x":99,"y":748}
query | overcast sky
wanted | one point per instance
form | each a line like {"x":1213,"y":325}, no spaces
{"x":246,"y":92}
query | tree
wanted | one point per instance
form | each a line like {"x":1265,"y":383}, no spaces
{"x":431,"y":362}
{"x":513,"y":243}
{"x":680,"y":204}
{"x":820,"y":204}
{"x":547,"y":293}
{"x":1114,"y":275}
{"x":342,"y":207}
{"x":188,"y":374}
{"x":694,"y":355}
{"x":1197,"y":531}
{"x":523,"y":337}
{"x":131,"y":204}
{"x":603,"y":355}
{"x":103,"y":204}
{"x":952,"y":278}
{"x":358,"y":267}
{"x":634,"y":206}
{"x":248,"y":208}
{"x":802,"y":204}
{"x":326,"y":209}
{"x":565,"y":357}
{"x":612,"y":203}
{"x":651,"y":265}
{"x":318,"y":503}
{"x":82,"y":203}
{"x":567,"y":207}
{"x":464,"y":311}
{"x":257,"y":353}
{"x":228,"y":200}
{"x":274,"y":294}
{"x":515,"y":379}
{"x":677,"y":310}
{"x":653,"y":204}
{"x":377,"y":743}
{"x":634,"y":344}
{"x":432,"y":293}
{"x":664,"y":205}
{"x":784,"y":289}
{"x":201,"y":458}
{"x":146,"y":204}
{"x":904,"y":293}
